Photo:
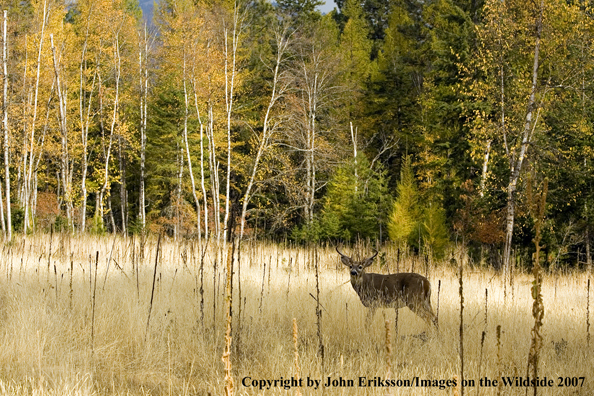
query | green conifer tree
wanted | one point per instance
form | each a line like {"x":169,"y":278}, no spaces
{"x":403,"y":224}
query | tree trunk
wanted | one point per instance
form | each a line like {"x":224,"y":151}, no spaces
{"x":485,"y":168}
{"x":123,"y":192}
{"x":282,"y":43}
{"x":229,"y":92}
{"x":64,"y":168}
{"x":214,"y":175}
{"x":5,"y":124}
{"x":312,"y":148}
{"x":85,"y":119}
{"x":588,"y":255}
{"x":143,"y":69}
{"x":202,"y":184}
{"x":116,"y":102}
{"x":189,"y":157}
{"x":527,"y":135}
{"x":110,"y":212}
{"x":28,"y":169}
{"x":354,"y":139}
{"x":178,"y":198}
{"x":2,"y":213}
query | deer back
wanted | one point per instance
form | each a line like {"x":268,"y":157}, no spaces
{"x":401,"y":289}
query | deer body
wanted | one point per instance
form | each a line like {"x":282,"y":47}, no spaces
{"x":390,"y":291}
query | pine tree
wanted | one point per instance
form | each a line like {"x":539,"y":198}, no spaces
{"x":403,"y":224}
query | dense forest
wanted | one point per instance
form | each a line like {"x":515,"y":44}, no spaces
{"x":423,"y":122}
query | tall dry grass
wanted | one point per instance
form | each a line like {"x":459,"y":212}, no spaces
{"x":51,"y":345}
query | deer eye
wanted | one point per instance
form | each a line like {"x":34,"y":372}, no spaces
{"x":360,"y":267}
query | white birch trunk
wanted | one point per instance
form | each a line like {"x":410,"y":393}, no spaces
{"x":312,"y":148}
{"x":117,"y":65}
{"x":229,"y":91}
{"x":189,"y":157}
{"x":143,"y":69}
{"x":485,"y":168}
{"x":214,"y":175}
{"x":527,"y":134}
{"x":85,"y":120}
{"x":64,"y":168}
{"x":28,"y":170}
{"x":354,"y":139}
{"x":123,"y":192}
{"x":282,"y":43}
{"x":5,"y":123}
{"x":202,"y":183}
{"x":2,"y":213}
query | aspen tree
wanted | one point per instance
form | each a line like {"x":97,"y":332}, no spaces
{"x":280,"y":84}
{"x":533,"y":42}
{"x":5,"y":122}
{"x":64,"y":157}
{"x":231,"y":55}
{"x":317,"y":86}
{"x":28,"y":151}
{"x":86,"y":96}
{"x":143,"y":56}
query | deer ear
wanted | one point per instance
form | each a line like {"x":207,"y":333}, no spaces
{"x":346,"y":260}
{"x":369,"y":261}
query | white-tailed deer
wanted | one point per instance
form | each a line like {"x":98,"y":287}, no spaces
{"x":390,"y":291}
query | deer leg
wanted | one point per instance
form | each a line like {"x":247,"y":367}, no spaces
{"x":425,"y":313}
{"x":431,"y":318}
{"x":370,"y":314}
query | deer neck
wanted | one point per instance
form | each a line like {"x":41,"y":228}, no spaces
{"x":358,"y":282}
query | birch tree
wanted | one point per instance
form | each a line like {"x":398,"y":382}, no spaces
{"x":535,"y":44}
{"x":271,"y":123}
{"x":315,"y":72}
{"x":231,"y":48}
{"x":5,"y":122}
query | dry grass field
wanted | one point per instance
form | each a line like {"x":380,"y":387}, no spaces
{"x":74,"y":325}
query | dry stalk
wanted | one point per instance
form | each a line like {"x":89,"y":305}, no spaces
{"x":456,"y":390}
{"x":93,"y":306}
{"x":202,"y":254}
{"x":289,"y":281}
{"x":588,"y":314}
{"x":229,"y":300}
{"x":133,"y":256}
{"x":262,"y":290}
{"x":296,"y":351}
{"x":56,"y":281}
{"x":481,"y":359}
{"x":318,"y":309}
{"x":512,"y":268}
{"x":388,"y":353}
{"x":341,"y":372}
{"x":538,"y":206}
{"x":136,"y":268}
{"x":49,"y":255}
{"x":437,"y":310}
{"x":269,"y":271}
{"x":461,"y":273}
{"x":71,"y":271}
{"x":148,"y":320}
{"x":239,"y":310}
{"x":396,"y":317}
{"x":498,"y":331}
{"x":169,"y":380}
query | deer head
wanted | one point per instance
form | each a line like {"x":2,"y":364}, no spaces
{"x":357,"y":268}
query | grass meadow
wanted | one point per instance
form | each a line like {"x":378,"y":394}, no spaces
{"x":72,"y":324}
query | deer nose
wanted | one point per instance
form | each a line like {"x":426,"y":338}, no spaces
{"x":354,"y":272}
